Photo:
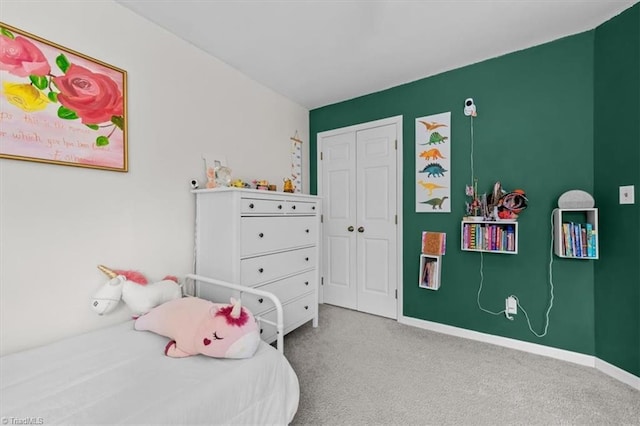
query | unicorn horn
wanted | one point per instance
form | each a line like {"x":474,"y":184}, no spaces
{"x":108,"y":272}
{"x":237,"y":308}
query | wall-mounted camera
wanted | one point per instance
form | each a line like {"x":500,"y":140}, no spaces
{"x":194,"y":184}
{"x":469,"y":107}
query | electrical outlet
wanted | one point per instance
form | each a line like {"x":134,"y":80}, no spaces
{"x":626,"y":194}
{"x":511,"y":306}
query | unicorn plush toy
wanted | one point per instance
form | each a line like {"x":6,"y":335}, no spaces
{"x":133,"y":288}
{"x":197,"y":326}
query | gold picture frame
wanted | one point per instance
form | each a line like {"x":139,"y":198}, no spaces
{"x":59,"y":106}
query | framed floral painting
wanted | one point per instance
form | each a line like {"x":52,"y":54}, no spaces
{"x":59,"y":106}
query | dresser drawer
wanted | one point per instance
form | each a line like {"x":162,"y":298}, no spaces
{"x":299,"y":311}
{"x":295,"y":313}
{"x":300,"y":207}
{"x":268,"y":332}
{"x":261,"y":206}
{"x":260,"y":269}
{"x":285,"y":290}
{"x":265,"y":234}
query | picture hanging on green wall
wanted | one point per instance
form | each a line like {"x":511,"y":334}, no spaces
{"x":433,"y":163}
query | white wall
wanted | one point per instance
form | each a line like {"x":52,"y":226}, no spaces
{"x":58,"y":222}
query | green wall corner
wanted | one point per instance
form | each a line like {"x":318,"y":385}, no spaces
{"x":617,"y":162}
{"x":534,"y":131}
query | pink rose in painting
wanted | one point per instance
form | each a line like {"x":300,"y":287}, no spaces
{"x":22,"y":58}
{"x":94,"y":97}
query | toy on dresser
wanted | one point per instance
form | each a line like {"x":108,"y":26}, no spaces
{"x":134,"y":289}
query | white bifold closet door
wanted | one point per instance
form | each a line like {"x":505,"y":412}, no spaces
{"x":359,"y":184}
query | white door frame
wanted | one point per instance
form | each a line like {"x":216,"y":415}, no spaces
{"x":397,"y":120}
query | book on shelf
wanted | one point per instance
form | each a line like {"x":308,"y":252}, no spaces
{"x":434,"y":243}
{"x":488,"y":237}
{"x":428,"y":278}
{"x":566,"y":238}
{"x":578,"y":239}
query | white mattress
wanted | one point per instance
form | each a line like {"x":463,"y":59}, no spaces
{"x":118,"y":375}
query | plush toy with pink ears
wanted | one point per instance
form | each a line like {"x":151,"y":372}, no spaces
{"x":134,"y":289}
{"x":198,"y":326}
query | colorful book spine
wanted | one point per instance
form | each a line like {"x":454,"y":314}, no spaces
{"x":472,"y":236}
{"x":589,"y":238}
{"x":574,"y":240}
{"x":566,"y":238}
{"x":578,"y":240}
{"x":511,"y":238}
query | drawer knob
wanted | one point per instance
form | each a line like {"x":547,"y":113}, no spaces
{"x":261,"y":330}
{"x":261,"y":300}
{"x":261,"y":270}
{"x":306,"y":230}
{"x":293,"y":207}
{"x":306,"y":283}
{"x":306,"y":259}
{"x":261,"y":235}
{"x":279,"y":206}
{"x":313,"y":208}
{"x":306,"y":307}
{"x":251,"y":205}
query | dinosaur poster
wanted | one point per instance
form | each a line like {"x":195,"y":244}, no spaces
{"x":433,"y":163}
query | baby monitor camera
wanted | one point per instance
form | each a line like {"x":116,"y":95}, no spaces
{"x":194,"y":184}
{"x":469,"y":107}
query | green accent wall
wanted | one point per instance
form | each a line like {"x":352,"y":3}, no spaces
{"x":617,"y":162}
{"x":534,"y":131}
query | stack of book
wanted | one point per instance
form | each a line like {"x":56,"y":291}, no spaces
{"x":578,"y":240}
{"x":429,"y":277}
{"x":488,"y":237}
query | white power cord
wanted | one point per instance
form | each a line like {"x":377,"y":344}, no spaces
{"x":546,"y":326}
{"x":480,"y":289}
{"x":472,"y":176}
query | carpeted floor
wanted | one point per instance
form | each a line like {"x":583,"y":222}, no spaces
{"x":357,"y":368}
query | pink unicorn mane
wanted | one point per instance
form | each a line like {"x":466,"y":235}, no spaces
{"x":226,"y":312}
{"x":133,"y":276}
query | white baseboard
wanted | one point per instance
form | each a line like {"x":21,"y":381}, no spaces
{"x":618,"y":373}
{"x":561,"y":354}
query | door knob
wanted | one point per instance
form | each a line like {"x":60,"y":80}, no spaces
{"x":350,"y":229}
{"x":361,"y":229}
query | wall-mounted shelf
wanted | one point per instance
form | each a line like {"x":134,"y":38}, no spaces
{"x":575,"y":233}
{"x":429,"y":277}
{"x":489,"y":236}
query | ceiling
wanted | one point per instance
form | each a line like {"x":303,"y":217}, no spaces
{"x":321,"y":52}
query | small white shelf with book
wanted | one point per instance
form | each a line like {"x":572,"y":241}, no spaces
{"x":487,"y":236}
{"x":430,"y":271}
{"x":434,"y":246}
{"x":575,"y":233}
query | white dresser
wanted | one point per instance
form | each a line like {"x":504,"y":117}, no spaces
{"x":262,"y":239}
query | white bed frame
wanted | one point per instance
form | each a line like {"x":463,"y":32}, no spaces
{"x":279,"y":324}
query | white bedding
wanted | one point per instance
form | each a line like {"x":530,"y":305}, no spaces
{"x":118,"y":375}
